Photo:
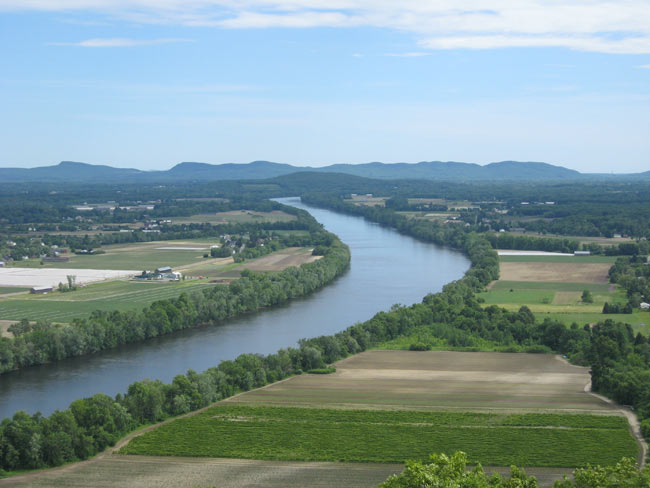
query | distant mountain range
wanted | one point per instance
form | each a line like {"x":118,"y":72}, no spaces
{"x":68,"y":171}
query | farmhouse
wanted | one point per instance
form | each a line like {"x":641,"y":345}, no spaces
{"x":644,"y":306}
{"x":2,"y":264}
{"x":42,"y":290}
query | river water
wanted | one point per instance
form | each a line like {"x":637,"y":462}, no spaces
{"x":386,"y":268}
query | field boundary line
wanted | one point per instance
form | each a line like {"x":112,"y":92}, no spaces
{"x":633,"y":420}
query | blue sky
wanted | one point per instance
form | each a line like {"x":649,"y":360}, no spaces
{"x":150,"y":83}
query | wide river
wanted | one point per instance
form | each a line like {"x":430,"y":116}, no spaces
{"x":386,"y":268}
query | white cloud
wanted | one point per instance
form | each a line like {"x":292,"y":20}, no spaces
{"x":121,"y":42}
{"x":610,"y":26}
{"x":644,"y":66}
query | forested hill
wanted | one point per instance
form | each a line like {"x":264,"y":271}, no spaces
{"x":68,"y":171}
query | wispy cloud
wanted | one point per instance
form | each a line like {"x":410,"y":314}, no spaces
{"x":644,"y":66}
{"x":621,"y":27}
{"x":121,"y":42}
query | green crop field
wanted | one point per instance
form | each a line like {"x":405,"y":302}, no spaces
{"x":390,"y":436}
{"x":114,"y":295}
{"x":558,"y":259}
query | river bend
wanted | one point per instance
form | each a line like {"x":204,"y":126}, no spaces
{"x":386,"y":268}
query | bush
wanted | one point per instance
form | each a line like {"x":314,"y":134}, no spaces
{"x":538,"y":349}
{"x":419,"y":346}
{"x":329,"y":370}
{"x":645,"y":428}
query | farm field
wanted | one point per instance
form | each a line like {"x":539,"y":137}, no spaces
{"x":554,"y":271}
{"x":428,"y":215}
{"x":49,"y":277}
{"x":163,"y":472}
{"x":552,"y":290}
{"x":134,"y":295}
{"x":439,"y":380}
{"x":368,"y":201}
{"x":389,"y":406}
{"x":12,"y":289}
{"x":114,"y":295}
{"x":188,"y":472}
{"x":139,"y":256}
{"x":558,"y":259}
{"x":235,"y":217}
{"x":312,"y":434}
{"x":278,"y":261}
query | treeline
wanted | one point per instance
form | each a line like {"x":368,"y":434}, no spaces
{"x":45,"y":342}
{"x":503,"y":240}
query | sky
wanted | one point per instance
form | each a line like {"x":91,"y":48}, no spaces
{"x":151,"y":83}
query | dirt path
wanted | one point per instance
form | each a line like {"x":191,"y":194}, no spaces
{"x":635,"y":425}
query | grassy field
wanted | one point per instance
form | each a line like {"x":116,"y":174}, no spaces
{"x":235,"y":216}
{"x":114,"y":295}
{"x":12,"y":289}
{"x":310,"y":434}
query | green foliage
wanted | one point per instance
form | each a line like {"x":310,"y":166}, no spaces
{"x":328,"y":370}
{"x":587,"y":297}
{"x":419,"y":346}
{"x":625,"y":474}
{"x":444,"y":471}
{"x":313,"y":434}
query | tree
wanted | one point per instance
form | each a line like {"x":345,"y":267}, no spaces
{"x":625,"y":474}
{"x":451,"y":471}
{"x":587,"y":297}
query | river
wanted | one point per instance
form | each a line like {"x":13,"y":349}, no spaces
{"x":386,"y":268}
